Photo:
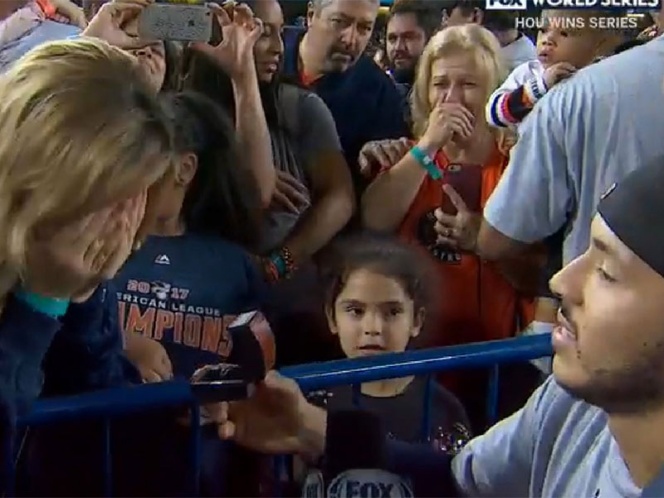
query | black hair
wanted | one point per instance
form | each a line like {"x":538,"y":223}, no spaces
{"x":467,"y":7}
{"x":172,"y":55}
{"x":384,"y":255}
{"x":428,"y":18}
{"x":627,"y":45}
{"x":223,"y":198}
{"x":499,"y":20}
{"x":199,"y":73}
{"x":204,"y":76}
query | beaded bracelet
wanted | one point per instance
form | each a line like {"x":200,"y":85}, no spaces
{"x":284,"y":261}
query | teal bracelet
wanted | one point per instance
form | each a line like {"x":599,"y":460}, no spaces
{"x":52,"y":307}
{"x":426,"y":162}
{"x":279,"y":263}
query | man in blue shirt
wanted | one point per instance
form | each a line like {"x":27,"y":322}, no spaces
{"x":328,"y":58}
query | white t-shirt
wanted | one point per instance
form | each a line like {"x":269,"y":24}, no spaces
{"x":529,"y":75}
{"x":519,"y":51}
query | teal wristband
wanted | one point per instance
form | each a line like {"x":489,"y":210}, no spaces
{"x":50,"y":306}
{"x":279,"y":263}
{"x":426,"y":162}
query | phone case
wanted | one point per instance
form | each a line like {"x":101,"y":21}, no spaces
{"x":467,"y":181}
{"x":175,"y":22}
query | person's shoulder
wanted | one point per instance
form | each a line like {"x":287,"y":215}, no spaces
{"x":605,"y":75}
{"x":302,"y":95}
{"x":561,"y":413}
{"x":46,"y":31}
{"x":443,"y":399}
{"x":303,"y":106}
{"x":372,"y":76}
{"x":566,"y":423}
{"x":598,"y":85}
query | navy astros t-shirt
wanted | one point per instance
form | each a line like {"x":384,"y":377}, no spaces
{"x":184,"y":291}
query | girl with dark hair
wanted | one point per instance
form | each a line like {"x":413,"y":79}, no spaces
{"x":192,"y":275}
{"x":378,"y":292}
{"x":178,"y":293}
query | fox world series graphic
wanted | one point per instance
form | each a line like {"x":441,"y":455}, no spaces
{"x":624,"y":5}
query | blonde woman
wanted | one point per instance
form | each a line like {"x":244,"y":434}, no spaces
{"x":453,"y":168}
{"x":83,"y":140}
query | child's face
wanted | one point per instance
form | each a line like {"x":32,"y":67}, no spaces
{"x":561,"y":39}
{"x":373,"y":314}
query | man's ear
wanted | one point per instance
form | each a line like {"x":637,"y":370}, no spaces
{"x":331,"y":322}
{"x":311,"y":12}
{"x":478,"y":16}
{"x":186,"y":169}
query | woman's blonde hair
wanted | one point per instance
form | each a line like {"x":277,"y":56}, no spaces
{"x":80,"y":130}
{"x":469,"y":39}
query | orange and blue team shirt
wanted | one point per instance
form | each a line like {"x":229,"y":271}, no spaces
{"x":184,"y":292}
{"x":477,"y":302}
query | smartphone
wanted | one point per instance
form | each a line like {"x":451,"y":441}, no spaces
{"x":177,"y":22}
{"x":466,"y":179}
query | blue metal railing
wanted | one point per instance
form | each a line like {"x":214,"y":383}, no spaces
{"x":420,"y":362}
{"x":112,"y":403}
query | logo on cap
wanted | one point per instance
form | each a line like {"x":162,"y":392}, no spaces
{"x":608,"y":192}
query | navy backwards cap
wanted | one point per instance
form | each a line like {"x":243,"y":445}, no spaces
{"x":634,"y":210}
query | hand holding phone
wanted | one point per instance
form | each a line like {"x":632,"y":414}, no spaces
{"x":240,"y":30}
{"x":457,"y":230}
{"x":111,"y":21}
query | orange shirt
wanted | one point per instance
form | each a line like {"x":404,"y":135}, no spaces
{"x":307,"y":80}
{"x":476,"y":302}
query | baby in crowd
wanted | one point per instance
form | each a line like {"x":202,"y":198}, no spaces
{"x":568,"y":40}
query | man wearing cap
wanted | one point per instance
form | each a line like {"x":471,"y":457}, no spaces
{"x":593,"y":429}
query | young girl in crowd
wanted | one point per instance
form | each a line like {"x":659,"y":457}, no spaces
{"x":566,"y":43}
{"x":453,"y":168}
{"x":192,"y":276}
{"x":378,"y":295}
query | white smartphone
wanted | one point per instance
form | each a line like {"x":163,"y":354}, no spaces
{"x":177,"y":22}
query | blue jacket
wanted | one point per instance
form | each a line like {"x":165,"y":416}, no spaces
{"x":79,"y":353}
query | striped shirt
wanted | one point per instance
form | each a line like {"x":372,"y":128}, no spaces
{"x":516,"y":97}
